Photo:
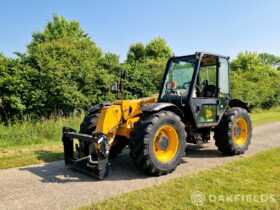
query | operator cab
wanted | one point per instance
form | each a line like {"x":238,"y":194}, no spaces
{"x":199,"y":85}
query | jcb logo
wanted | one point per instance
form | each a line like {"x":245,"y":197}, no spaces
{"x":208,"y":113}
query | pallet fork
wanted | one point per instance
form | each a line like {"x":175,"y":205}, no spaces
{"x":96,"y":162}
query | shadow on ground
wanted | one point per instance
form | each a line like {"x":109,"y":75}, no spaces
{"x":48,"y":156}
{"x":122,"y":167}
{"x":202,"y":151}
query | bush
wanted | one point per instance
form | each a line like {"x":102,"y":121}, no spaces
{"x":255,"y":81}
{"x":63,"y":70}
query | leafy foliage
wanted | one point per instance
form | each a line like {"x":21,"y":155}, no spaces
{"x":136,"y":53}
{"x":156,"y":49}
{"x":57,"y":29}
{"x":144,"y":66}
{"x":269,"y":58}
{"x":255,"y":81}
{"x":63,"y":70}
{"x":142,"y":79}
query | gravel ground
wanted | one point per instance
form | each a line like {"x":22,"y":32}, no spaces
{"x":52,"y":186}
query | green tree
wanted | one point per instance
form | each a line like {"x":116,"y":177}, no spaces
{"x":111,"y":62}
{"x":158,"y":49}
{"x":247,"y":61}
{"x":144,"y":68}
{"x":269,"y":58}
{"x":58,"y":28}
{"x":63,"y":70}
{"x":136,"y":53}
{"x":255,"y":81}
{"x":142,"y":79}
{"x":71,"y":68}
{"x":16,"y":88}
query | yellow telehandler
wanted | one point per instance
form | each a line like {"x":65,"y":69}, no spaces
{"x":194,"y":99}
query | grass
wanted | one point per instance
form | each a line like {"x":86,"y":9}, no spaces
{"x":28,"y":133}
{"x":32,"y":154}
{"x":31,"y":142}
{"x":260,"y":116}
{"x":250,"y":183}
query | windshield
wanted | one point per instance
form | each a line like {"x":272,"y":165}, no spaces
{"x":179,"y":77}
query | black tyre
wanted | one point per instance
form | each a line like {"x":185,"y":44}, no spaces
{"x":88,"y":126}
{"x":158,"y":142}
{"x":234,"y":132}
{"x":118,"y":146}
{"x":89,"y":123}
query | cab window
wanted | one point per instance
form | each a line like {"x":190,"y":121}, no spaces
{"x":207,"y":77}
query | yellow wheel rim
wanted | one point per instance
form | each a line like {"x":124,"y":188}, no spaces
{"x":240,"y":131}
{"x":166,"y":142}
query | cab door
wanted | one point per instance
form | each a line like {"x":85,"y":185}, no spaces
{"x":224,"y":85}
{"x":205,"y":99}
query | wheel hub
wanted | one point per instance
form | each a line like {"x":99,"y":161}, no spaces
{"x":240,"y":131}
{"x":163,"y":142}
{"x":237,"y":131}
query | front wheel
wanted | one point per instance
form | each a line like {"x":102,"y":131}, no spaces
{"x":234,"y":132}
{"x":88,"y":126}
{"x":158,"y":142}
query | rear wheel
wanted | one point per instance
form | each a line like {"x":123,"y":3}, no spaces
{"x":158,"y":142}
{"x":233,"y":134}
{"x":88,"y":126}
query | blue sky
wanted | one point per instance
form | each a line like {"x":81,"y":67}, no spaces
{"x":220,"y":26}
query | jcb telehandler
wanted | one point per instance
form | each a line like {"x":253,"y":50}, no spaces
{"x":194,"y":99}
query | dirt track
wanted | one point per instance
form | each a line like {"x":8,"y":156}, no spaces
{"x":52,"y":186}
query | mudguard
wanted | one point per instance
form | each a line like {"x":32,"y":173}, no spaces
{"x":97,"y":107}
{"x":239,"y":103}
{"x":155,"y":107}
